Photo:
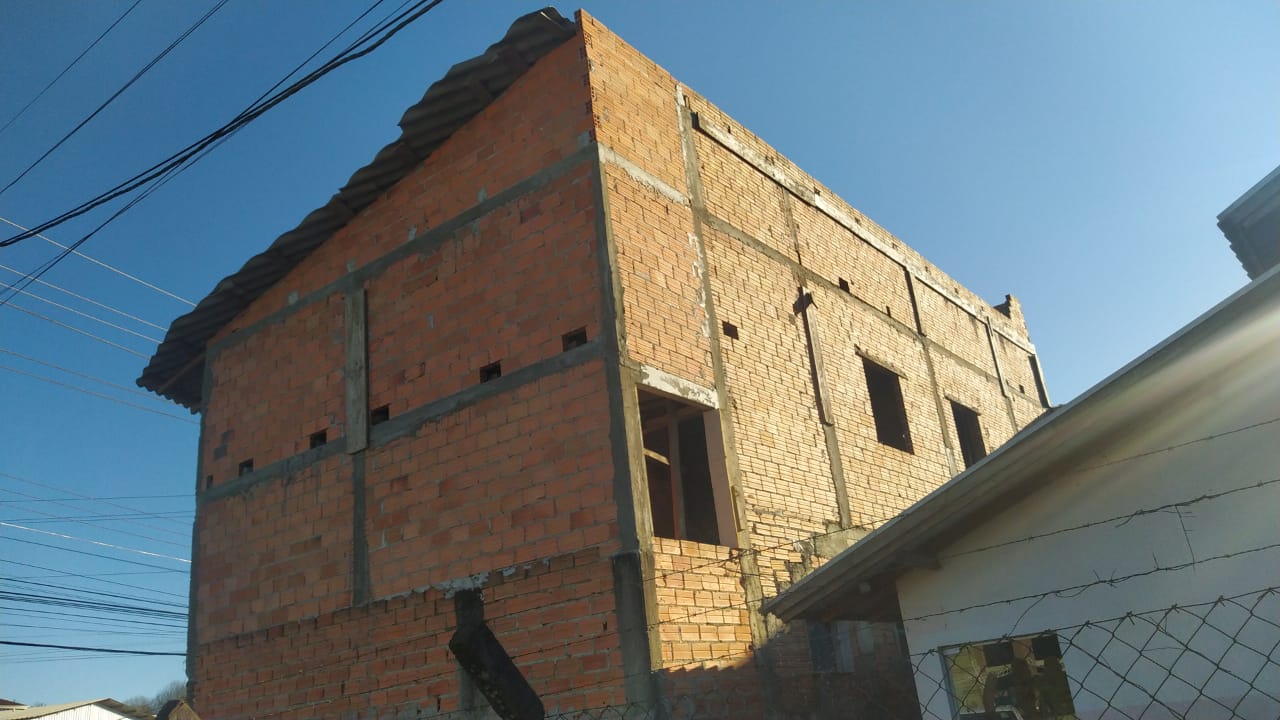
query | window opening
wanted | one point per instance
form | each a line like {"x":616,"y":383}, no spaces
{"x":969,"y":431}
{"x":574,"y":338}
{"x":730,"y":330}
{"x":688,"y":489}
{"x":885,"y":389}
{"x":1017,"y":678}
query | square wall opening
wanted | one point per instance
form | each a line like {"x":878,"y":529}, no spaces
{"x":685,"y":471}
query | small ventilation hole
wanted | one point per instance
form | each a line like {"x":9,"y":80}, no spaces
{"x":844,"y":285}
{"x":246,"y":467}
{"x":208,"y":481}
{"x":318,"y":438}
{"x":730,"y":330}
{"x":492,"y":371}
{"x":574,"y":338}
{"x":379,"y":415}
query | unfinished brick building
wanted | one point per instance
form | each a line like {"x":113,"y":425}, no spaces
{"x":578,"y":355}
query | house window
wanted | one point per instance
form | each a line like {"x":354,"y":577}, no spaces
{"x":688,"y":486}
{"x":1014,"y":678}
{"x":885,"y":388}
{"x":969,"y":431}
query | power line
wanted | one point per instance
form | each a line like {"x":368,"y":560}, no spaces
{"x":67,"y":69}
{"x":91,"y":619}
{"x":137,"y":76}
{"x":183,"y":571}
{"x":74,"y":329}
{"x":99,"y":543}
{"x":389,"y":28}
{"x":109,"y":497}
{"x":59,"y":383}
{"x":55,"y":586}
{"x":82,"y":496}
{"x":95,"y":578}
{"x":92,"y":649}
{"x":69,"y":371}
{"x":107,"y":528}
{"x":98,"y":518}
{"x":82,"y":314}
{"x":100,"y":264}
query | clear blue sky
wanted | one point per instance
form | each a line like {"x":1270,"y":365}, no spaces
{"x":1074,"y":154}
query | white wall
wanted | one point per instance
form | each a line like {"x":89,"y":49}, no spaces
{"x":1231,"y":383}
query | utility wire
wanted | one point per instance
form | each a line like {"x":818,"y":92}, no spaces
{"x":99,"y":543}
{"x":106,"y":528}
{"x":137,"y":76}
{"x":67,"y":69}
{"x":183,"y":571}
{"x":75,"y":329}
{"x":103,"y":500}
{"x":102,"y":396}
{"x":69,"y":371}
{"x":92,"y":649}
{"x":82,"y":314}
{"x":54,"y":586}
{"x":389,"y":28}
{"x":100,"y":264}
{"x":95,"y":605}
{"x":93,"y":578}
{"x":93,"y":619}
{"x":110,"y":497}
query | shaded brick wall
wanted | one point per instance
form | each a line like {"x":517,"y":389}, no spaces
{"x":711,"y":225}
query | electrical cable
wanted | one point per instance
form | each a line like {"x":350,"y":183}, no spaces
{"x":74,"y":329}
{"x":96,"y":577}
{"x":103,"y":500}
{"x":102,"y":396}
{"x":182,"y":571}
{"x":389,"y":28}
{"x":69,"y":371}
{"x":67,"y":69}
{"x":80,"y":313}
{"x":137,"y":76}
{"x":99,"y":543}
{"x":92,"y":649}
{"x":100,"y":264}
{"x":131,"y":533}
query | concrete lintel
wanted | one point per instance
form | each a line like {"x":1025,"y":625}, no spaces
{"x":677,"y":387}
{"x":642,"y":176}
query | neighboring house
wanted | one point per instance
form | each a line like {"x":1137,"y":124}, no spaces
{"x":1252,"y":224}
{"x":103,"y":709}
{"x":1119,"y":558}
{"x":559,"y":388}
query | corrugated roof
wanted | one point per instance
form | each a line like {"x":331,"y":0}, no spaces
{"x":176,"y":371}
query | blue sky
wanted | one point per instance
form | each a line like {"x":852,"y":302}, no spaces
{"x":1074,"y":154}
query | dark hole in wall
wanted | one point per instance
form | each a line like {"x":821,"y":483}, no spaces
{"x":379,"y":415}
{"x":730,"y":330}
{"x":492,"y":371}
{"x":574,"y":338}
{"x":208,"y":481}
{"x":969,"y":432}
{"x":318,"y":438}
{"x":844,"y":285}
{"x":890,"y":413}
{"x":246,"y":467}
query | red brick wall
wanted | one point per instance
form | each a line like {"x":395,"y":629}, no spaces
{"x":508,"y":490}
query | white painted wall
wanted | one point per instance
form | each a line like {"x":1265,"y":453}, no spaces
{"x":1228,"y":384}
